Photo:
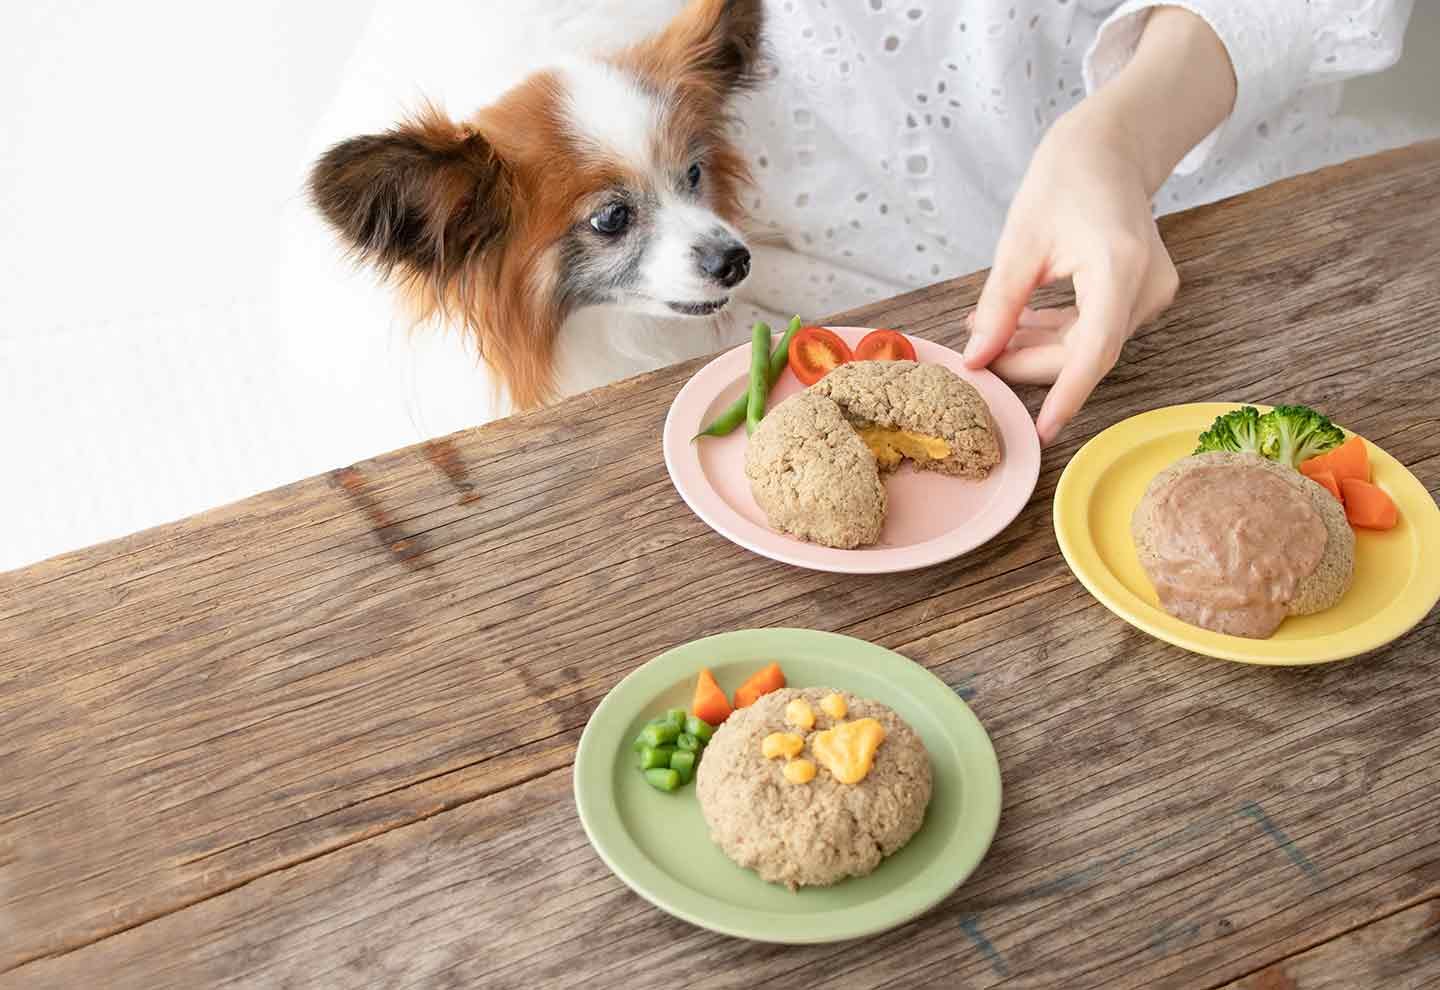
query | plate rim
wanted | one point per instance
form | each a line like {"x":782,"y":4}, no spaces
{"x":768,"y":927}
{"x":1083,"y":560}
{"x":830,"y":559}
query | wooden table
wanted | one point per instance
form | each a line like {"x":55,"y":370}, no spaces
{"x":323,"y":737}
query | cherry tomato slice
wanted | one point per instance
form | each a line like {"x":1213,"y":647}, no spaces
{"x":815,"y":352}
{"x":885,"y":345}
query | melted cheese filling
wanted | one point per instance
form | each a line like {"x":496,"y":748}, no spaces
{"x":890,"y":447}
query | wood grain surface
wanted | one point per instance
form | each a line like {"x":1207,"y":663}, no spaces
{"x":322,"y":737}
{"x":1401,"y":952}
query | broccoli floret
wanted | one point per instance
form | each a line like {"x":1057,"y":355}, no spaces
{"x":1292,"y":434}
{"x":1234,"y":431}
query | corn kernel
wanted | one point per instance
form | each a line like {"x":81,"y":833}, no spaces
{"x":799,"y":771}
{"x":777,"y":744}
{"x":799,"y":714}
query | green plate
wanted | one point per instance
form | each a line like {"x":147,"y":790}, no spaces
{"x":659,"y":845}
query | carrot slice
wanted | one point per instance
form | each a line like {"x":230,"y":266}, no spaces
{"x":772,"y":678}
{"x":1327,"y":479}
{"x":710,"y":704}
{"x":1349,"y":460}
{"x":1367,"y":506}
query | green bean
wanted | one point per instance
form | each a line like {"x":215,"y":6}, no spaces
{"x":639,"y":744}
{"x":699,"y":728}
{"x":733,"y":416}
{"x":759,"y":376}
{"x":683,"y":763}
{"x":689,"y":743}
{"x":656,"y":756}
{"x":780,"y":357}
{"x":725,"y":423}
{"x":735,"y":413}
{"x":659,"y":733}
{"x":676,"y":717}
{"x":663,"y":779}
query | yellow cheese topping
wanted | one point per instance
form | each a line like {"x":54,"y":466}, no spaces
{"x":777,"y":744}
{"x":799,"y":714}
{"x":834,"y":706}
{"x":799,"y":771}
{"x":848,"y":750}
{"x":890,"y":447}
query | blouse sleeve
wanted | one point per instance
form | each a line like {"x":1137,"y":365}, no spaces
{"x":1277,"y":47}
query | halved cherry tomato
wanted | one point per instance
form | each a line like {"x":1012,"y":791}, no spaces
{"x":884,"y":345}
{"x":815,"y":352}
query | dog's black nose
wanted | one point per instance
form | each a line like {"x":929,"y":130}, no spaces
{"x":727,"y":265}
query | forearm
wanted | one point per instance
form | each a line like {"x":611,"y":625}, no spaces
{"x":1178,"y":87}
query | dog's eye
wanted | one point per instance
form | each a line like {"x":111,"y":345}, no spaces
{"x":693,"y":176}
{"x":612,"y":219}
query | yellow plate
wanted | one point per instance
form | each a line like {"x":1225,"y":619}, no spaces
{"x":1391,"y":592}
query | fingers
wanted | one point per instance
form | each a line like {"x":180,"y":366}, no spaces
{"x":1049,"y":319}
{"x":1017,"y":271}
{"x":1037,"y":351}
{"x":1037,"y":363}
{"x":1032,"y":337}
{"x":1093,"y":347}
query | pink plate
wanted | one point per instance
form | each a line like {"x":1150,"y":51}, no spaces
{"x":931,"y":518}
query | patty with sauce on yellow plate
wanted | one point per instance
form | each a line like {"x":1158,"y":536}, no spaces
{"x":1234,"y":543}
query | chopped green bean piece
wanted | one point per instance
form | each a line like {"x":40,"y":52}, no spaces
{"x":639,"y":744}
{"x":690,"y":744}
{"x":683,"y":763}
{"x":659,"y":734}
{"x":676,"y":717}
{"x":663,"y":779}
{"x":699,"y":728}
{"x":655,"y":756}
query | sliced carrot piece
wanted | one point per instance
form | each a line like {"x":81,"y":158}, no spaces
{"x":1367,"y":506}
{"x":772,"y":678}
{"x":710,"y":704}
{"x":1349,"y":460}
{"x":1327,"y":479}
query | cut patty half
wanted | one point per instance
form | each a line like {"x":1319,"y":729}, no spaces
{"x":924,"y":413}
{"x":812,"y":475}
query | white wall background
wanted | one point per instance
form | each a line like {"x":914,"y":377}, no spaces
{"x":150,"y":160}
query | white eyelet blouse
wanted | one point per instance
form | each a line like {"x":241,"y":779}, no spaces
{"x":894,"y":133}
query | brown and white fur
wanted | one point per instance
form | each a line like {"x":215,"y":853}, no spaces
{"x":599,"y":188}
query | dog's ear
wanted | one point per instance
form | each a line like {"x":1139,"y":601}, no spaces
{"x":711,"y":45}
{"x":427,"y":196}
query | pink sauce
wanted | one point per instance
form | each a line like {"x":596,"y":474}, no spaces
{"x":1232,"y":544}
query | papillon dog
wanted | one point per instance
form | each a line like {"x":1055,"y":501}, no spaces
{"x":603,"y":189}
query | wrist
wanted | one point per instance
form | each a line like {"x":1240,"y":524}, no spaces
{"x":1118,"y":116}
{"x":1105,"y":124}
{"x":1178,"y":87}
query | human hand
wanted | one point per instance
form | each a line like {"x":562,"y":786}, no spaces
{"x":1083,"y":212}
